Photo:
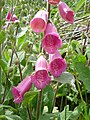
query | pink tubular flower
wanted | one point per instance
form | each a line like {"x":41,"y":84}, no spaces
{"x":57,"y":64}
{"x":54,"y":2}
{"x":65,"y":12}
{"x":40,"y":78}
{"x":39,"y":22}
{"x":19,"y":91}
{"x":51,"y":41}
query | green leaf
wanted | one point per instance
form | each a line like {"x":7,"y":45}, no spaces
{"x":50,"y":116}
{"x":48,"y":94}
{"x":75,"y":113}
{"x":2,"y":37}
{"x":21,"y":56}
{"x":28,"y":69}
{"x":6,"y":55}
{"x":79,"y":5}
{"x":66,"y":77}
{"x":10,"y":117}
{"x":22,"y":36}
{"x":13,"y":117}
{"x":23,"y":32}
{"x":88,"y":51}
{"x":2,"y":117}
{"x":84,"y":74}
{"x":23,"y":113}
{"x":21,"y":40}
{"x":3,"y":65}
{"x":64,"y":115}
{"x":7,"y":107}
{"x":29,"y":96}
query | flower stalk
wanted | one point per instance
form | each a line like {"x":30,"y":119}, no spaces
{"x":39,"y":104}
{"x":54,"y":98}
{"x":0,"y":70}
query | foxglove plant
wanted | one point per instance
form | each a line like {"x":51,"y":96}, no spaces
{"x":40,"y":78}
{"x":19,"y":91}
{"x":39,"y":22}
{"x":57,"y":64}
{"x":65,"y":12}
{"x":51,"y":41}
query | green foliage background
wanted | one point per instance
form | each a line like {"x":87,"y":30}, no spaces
{"x":73,"y":95}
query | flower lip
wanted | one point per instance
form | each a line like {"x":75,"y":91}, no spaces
{"x":70,"y":16}
{"x":40,"y":79}
{"x":17,"y":96}
{"x":57,"y":66}
{"x":38,"y":24}
{"x":51,"y":42}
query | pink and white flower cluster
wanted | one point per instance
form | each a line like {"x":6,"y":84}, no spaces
{"x":51,"y":42}
{"x":10,"y":19}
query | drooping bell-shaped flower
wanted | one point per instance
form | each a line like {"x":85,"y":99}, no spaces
{"x":51,"y":41}
{"x":23,"y":87}
{"x":57,"y":64}
{"x":40,"y":78}
{"x":39,"y":22}
{"x":65,"y":12}
{"x":54,"y":2}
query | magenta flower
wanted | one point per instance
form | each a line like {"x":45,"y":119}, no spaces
{"x":40,"y":78}
{"x":39,"y":22}
{"x":65,"y":12}
{"x":51,"y":41}
{"x":57,"y":64}
{"x":9,"y":15}
{"x":54,"y":2}
{"x":19,"y":91}
{"x":14,"y":18}
{"x":10,"y":18}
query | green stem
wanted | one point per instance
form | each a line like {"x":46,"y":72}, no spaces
{"x":29,"y":113}
{"x":19,"y":66}
{"x":39,"y":103}
{"x":48,"y":9}
{"x":0,"y":70}
{"x":7,"y":76}
{"x":83,"y":102}
{"x":61,"y":104}
{"x":54,"y":98}
{"x":79,"y":90}
{"x":66,"y":108}
{"x":0,"y":56}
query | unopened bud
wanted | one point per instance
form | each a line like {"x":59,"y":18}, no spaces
{"x":17,"y":62}
{"x":10,"y":69}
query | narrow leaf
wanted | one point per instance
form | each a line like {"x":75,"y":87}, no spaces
{"x":79,"y":4}
{"x":3,"y":65}
{"x":2,"y":37}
